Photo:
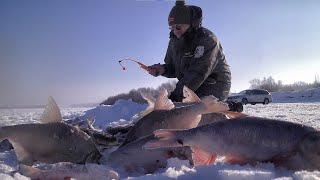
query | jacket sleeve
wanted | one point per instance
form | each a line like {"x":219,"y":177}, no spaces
{"x":169,"y":64}
{"x":201,"y":65}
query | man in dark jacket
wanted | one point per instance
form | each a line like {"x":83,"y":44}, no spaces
{"x":194,"y":56}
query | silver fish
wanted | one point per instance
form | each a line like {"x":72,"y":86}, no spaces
{"x":166,"y":116}
{"x":205,"y":118}
{"x":134,"y":159}
{"x":50,"y":142}
{"x":248,"y":140}
{"x":66,"y":170}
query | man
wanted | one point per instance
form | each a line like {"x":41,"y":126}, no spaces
{"x":194,"y":56}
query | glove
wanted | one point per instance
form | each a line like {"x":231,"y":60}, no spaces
{"x":156,"y":70}
{"x":175,"y":96}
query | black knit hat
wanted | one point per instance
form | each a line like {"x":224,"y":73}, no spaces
{"x":183,"y":14}
{"x":179,"y":14}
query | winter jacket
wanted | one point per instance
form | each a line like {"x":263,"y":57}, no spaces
{"x":197,"y":61}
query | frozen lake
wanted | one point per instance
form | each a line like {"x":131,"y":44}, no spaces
{"x":304,"y":113}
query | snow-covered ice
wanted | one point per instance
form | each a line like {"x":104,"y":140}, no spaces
{"x":295,"y":107}
{"x":305,"y":96}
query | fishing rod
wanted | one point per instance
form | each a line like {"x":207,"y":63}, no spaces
{"x":142,"y":66}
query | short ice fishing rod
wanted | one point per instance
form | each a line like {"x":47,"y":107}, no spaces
{"x":142,"y":66}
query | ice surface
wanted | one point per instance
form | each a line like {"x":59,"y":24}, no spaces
{"x":121,"y":113}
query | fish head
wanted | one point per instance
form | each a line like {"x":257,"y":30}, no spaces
{"x":74,"y":149}
{"x":82,"y":146}
{"x":310,"y":149}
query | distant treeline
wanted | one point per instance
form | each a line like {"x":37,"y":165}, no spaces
{"x":135,"y":94}
{"x":266,"y":83}
{"x":272,"y":86}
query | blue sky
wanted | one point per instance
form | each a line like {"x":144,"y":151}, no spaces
{"x":70,"y":49}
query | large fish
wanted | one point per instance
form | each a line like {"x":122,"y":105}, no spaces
{"x":248,"y":140}
{"x":66,"y":170}
{"x":51,"y":141}
{"x":134,"y":159}
{"x":205,"y":118}
{"x":165,"y":116}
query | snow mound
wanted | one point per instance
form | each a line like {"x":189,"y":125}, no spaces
{"x":114,"y":115}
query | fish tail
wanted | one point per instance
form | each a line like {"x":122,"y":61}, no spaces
{"x":166,"y":138}
{"x":201,"y":157}
{"x":212,"y":105}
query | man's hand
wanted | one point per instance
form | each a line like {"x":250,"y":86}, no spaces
{"x":156,"y":70}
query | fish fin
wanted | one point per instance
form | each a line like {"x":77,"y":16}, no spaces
{"x":202,"y":157}
{"x":151,"y":101}
{"x":166,"y":138}
{"x":212,"y":105}
{"x":232,"y":115}
{"x":165,"y":133}
{"x":236,"y":160}
{"x":51,"y":113}
{"x":163,"y":102}
{"x":189,"y":96}
{"x":149,"y":98}
{"x":29,"y":171}
{"x":23,"y":156}
{"x":90,"y":122}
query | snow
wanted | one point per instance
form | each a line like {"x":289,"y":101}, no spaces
{"x":310,"y":95}
{"x":300,"y":107}
{"x":304,"y":113}
{"x":120,"y":113}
